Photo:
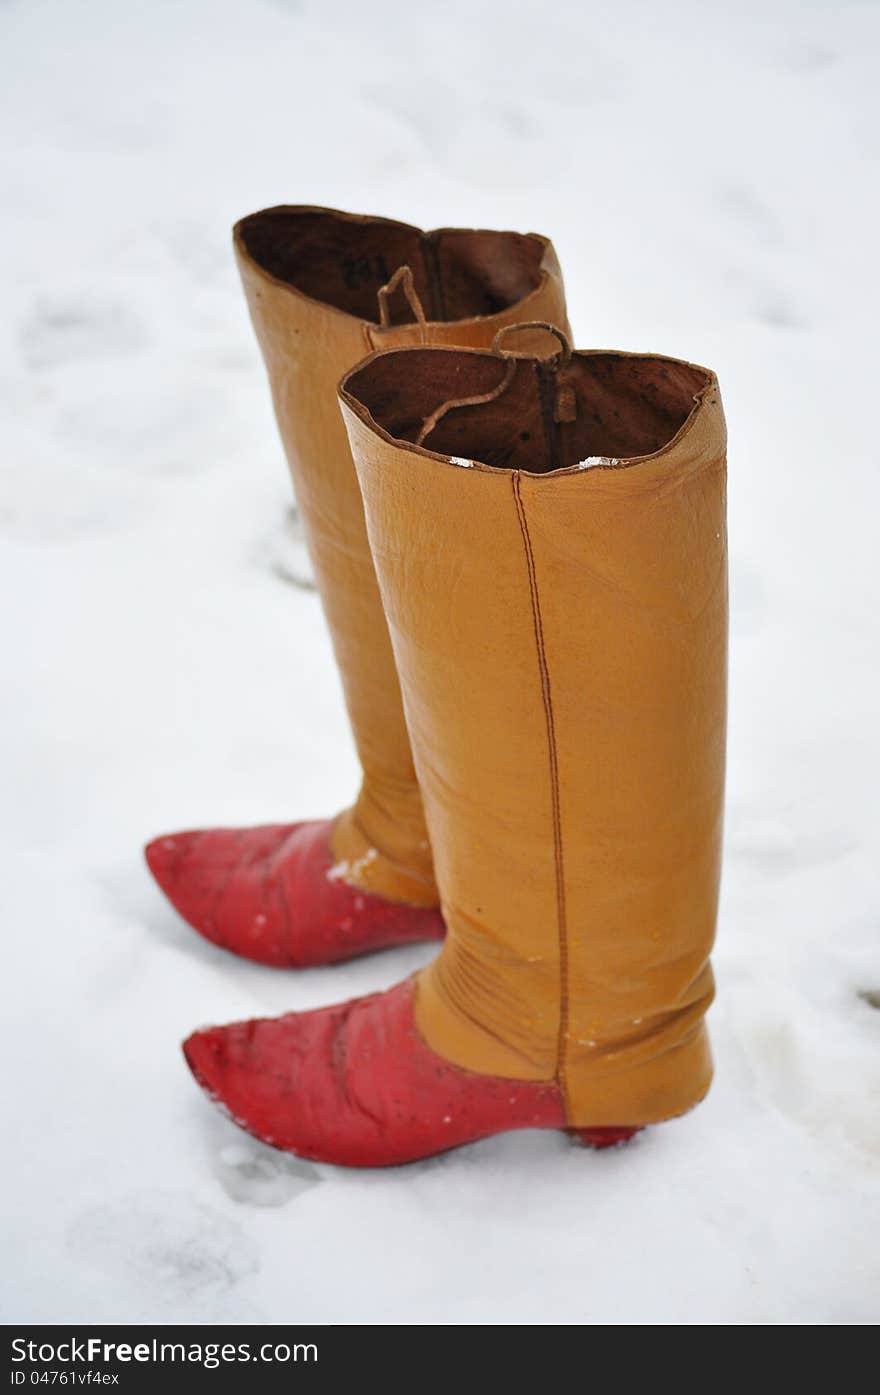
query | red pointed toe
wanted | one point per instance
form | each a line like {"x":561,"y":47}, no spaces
{"x":270,"y":894}
{"x":162,"y":855}
{"x":356,"y":1084}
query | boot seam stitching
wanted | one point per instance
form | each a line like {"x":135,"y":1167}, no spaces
{"x":558,"y":852}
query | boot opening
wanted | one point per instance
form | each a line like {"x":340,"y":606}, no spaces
{"x":343,"y":260}
{"x":612,"y":406}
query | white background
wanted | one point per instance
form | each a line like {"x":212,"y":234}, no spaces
{"x":708,"y":173}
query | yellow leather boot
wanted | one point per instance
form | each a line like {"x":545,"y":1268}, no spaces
{"x":323,"y":289}
{"x":550,"y":542}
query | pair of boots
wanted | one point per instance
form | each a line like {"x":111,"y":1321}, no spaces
{"x":521,"y":552}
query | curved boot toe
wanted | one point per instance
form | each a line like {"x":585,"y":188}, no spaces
{"x":220,"y":880}
{"x":276,"y":1077}
{"x":271,"y":894}
{"x":356,"y":1085}
{"x":237,"y":1067}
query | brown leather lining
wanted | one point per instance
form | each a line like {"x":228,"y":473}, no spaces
{"x":623,"y":405}
{"x":343,"y":260}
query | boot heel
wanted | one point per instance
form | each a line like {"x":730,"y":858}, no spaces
{"x":602,"y":1138}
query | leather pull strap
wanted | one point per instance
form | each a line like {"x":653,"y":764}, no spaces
{"x":564,"y":356}
{"x":449,"y":406}
{"x":566,"y":401}
{"x":402,"y":277}
{"x":565,"y":405}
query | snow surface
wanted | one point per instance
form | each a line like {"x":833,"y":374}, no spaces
{"x":709,"y":176}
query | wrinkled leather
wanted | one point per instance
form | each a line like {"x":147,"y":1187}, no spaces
{"x":355,"y":1084}
{"x":560,"y":631}
{"x":311,"y":277}
{"x":273,"y":894}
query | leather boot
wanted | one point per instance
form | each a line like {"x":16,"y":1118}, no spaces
{"x":324,"y":288}
{"x":550,"y":542}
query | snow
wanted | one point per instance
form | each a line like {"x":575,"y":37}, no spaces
{"x":352,"y":871}
{"x":708,"y":174}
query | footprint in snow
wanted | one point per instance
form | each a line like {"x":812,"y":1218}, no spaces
{"x":164,"y":1243}
{"x":256,"y":1176}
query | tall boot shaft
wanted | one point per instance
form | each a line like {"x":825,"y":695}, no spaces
{"x":314,"y":282}
{"x":553,"y":562}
